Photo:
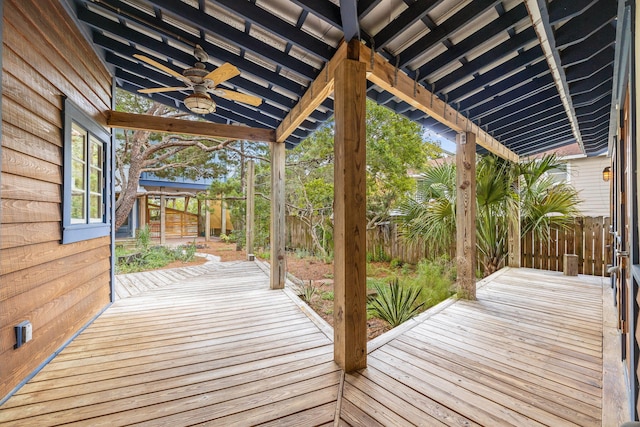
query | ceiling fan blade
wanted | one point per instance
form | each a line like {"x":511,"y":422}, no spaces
{"x":240,"y":97}
{"x":161,"y":89}
{"x":161,"y":67}
{"x":223,"y":73}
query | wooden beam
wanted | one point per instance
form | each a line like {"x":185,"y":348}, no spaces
{"x":121,"y":120}
{"x":350,"y":289}
{"x":278,"y":261}
{"x":466,"y":215}
{"x":250,"y":211}
{"x":315,"y":95}
{"x":385,"y":75}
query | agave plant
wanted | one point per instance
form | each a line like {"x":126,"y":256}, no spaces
{"x":394,"y":303}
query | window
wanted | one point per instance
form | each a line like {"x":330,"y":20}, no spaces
{"x":86,"y":155}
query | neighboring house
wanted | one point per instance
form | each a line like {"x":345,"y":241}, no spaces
{"x":179,"y":222}
{"x":585,"y":175}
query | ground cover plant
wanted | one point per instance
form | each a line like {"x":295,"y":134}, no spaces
{"x":144,"y":256}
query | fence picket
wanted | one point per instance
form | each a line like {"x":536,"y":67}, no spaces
{"x":587,"y":237}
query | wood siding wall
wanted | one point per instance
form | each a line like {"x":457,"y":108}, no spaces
{"x":59,"y":288}
{"x":585,"y":175}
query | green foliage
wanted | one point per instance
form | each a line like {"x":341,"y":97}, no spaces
{"x":394,"y":146}
{"x":378,"y":255}
{"x":396,"y":263}
{"x":307,"y":291}
{"x":327,"y":296}
{"x":395,"y":303}
{"x":148,"y":257}
{"x":143,"y":239}
{"x":435,"y":278}
{"x":500,"y":187}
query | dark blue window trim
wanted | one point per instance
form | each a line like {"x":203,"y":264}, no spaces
{"x":78,"y":232}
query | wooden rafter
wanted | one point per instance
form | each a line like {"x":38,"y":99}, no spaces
{"x":395,"y":81}
{"x":120,"y":120}
{"x":315,"y":95}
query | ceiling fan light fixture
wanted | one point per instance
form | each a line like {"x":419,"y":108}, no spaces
{"x":200,"y":103}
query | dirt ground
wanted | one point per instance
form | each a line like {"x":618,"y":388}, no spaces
{"x":304,"y":269}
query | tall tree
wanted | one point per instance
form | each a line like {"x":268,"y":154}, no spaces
{"x":166,"y":155}
{"x":395,"y":148}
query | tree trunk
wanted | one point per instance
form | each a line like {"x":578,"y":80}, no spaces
{"x":129,"y":193}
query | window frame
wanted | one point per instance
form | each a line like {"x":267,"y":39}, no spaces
{"x":73,"y":231}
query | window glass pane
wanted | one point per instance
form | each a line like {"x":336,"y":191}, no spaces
{"x":78,"y":174}
{"x":96,"y":207}
{"x":77,"y":207}
{"x":96,"y":153}
{"x":78,"y":140}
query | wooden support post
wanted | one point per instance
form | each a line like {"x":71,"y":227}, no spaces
{"x":466,"y":214}
{"x":223,"y":216}
{"x":278,"y":261}
{"x":143,"y":211}
{"x":207,"y":222}
{"x":515,"y":240}
{"x":350,"y":289}
{"x":250,"y":211}
{"x":163,"y":219}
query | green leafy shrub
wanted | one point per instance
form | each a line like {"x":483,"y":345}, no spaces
{"x":435,"y":278}
{"x":307,"y":291}
{"x":396,"y":263}
{"x":394,"y":303}
{"x":143,"y":239}
{"x":327,"y":296}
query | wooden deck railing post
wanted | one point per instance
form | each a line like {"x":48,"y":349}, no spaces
{"x":278,"y":266}
{"x":350,"y":290}
{"x":466,"y":215}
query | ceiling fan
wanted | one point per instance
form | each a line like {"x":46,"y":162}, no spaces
{"x":202,"y":82}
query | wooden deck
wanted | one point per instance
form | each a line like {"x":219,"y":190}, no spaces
{"x":220,"y":348}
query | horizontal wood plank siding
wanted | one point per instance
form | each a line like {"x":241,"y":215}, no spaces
{"x":59,"y":288}
{"x":585,"y":175}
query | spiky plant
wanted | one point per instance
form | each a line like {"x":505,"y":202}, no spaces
{"x":394,"y":303}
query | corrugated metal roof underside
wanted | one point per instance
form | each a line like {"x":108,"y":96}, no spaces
{"x":482,"y":57}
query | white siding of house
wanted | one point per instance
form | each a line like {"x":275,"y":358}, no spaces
{"x":585,"y":174}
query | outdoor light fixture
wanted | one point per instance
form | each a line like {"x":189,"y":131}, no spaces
{"x":606,"y":174}
{"x":200,"y":103}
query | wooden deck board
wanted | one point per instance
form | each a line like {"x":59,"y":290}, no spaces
{"x":215,"y":346}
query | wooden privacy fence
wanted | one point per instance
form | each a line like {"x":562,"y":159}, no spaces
{"x":178,"y":223}
{"x":587,"y":237}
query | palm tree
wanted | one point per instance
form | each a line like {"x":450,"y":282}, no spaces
{"x":500,"y":187}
